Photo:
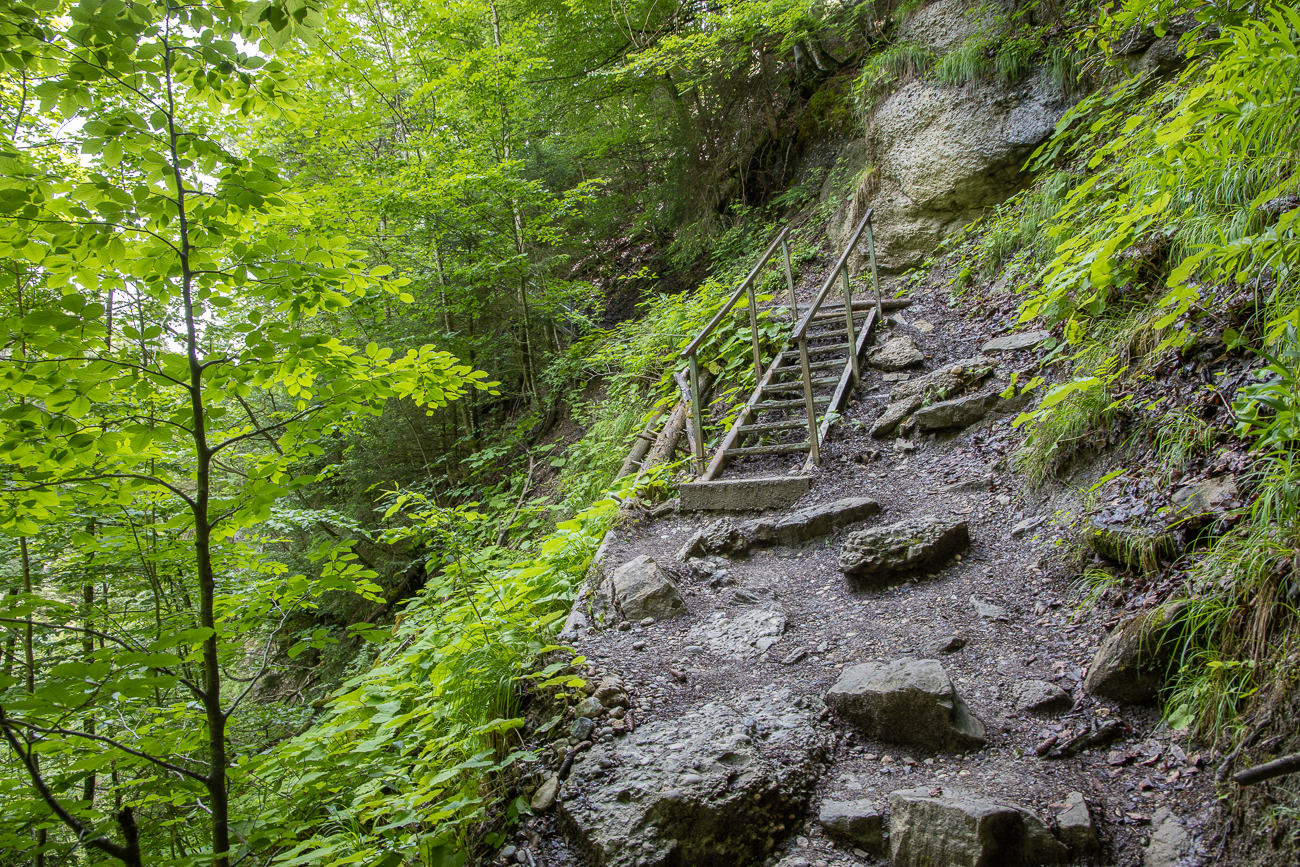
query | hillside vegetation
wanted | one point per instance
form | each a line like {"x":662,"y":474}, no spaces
{"x":329,"y":324}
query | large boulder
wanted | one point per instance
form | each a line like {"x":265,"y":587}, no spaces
{"x":944,"y":154}
{"x":909,"y":701}
{"x":917,"y":543}
{"x":1132,"y":662}
{"x":952,"y":828}
{"x":641,"y":589}
{"x":716,"y":786}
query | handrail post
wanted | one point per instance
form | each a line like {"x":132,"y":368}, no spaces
{"x":875,"y":278}
{"x":696,"y":423}
{"x":789,"y":282}
{"x":753,"y":333}
{"x":814,"y":450}
{"x":848,"y":324}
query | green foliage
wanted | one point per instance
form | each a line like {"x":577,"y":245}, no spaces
{"x":1269,"y":410}
{"x":409,"y":756}
{"x":886,"y":70}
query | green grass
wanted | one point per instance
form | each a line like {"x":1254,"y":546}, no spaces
{"x":886,"y":71}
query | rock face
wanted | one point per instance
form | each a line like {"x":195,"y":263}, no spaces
{"x":857,"y":823}
{"x":944,"y":154}
{"x":908,"y":701}
{"x":748,"y":634}
{"x":918,"y":543}
{"x":958,"y":829}
{"x":945,"y":25}
{"x":641,"y":589}
{"x":959,"y":412}
{"x":711,"y":787}
{"x":1041,"y":697}
{"x":896,"y":353}
{"x":1015,"y":342}
{"x":1131,"y":664}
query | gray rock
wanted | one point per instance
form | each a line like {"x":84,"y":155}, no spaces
{"x":909,"y":701}
{"x":707,"y":787}
{"x":589,"y":707}
{"x":958,"y":412}
{"x":960,"y":829}
{"x":896,"y":354}
{"x":1027,"y":525}
{"x":1131,"y":664}
{"x":1015,"y":342}
{"x":918,"y":543}
{"x":1169,"y":844}
{"x":894,"y":415}
{"x":582,"y":728}
{"x":1138,"y":549}
{"x":545,"y":795}
{"x":744,"y":636}
{"x":1039,"y":696}
{"x":1075,"y":826}
{"x":947,"y":644}
{"x":720,"y":537}
{"x":989,"y":611}
{"x":807,"y":523}
{"x":641,"y":589}
{"x":857,"y":823}
{"x":982,"y":483}
{"x":946,"y":381}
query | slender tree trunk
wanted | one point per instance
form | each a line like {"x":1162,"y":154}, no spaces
{"x":29,"y":658}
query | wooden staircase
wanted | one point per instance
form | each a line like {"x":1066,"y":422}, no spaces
{"x":798,"y":394}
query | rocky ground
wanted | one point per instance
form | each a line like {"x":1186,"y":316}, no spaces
{"x":897,"y":668}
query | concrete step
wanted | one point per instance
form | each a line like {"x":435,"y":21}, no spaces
{"x":744,"y":495}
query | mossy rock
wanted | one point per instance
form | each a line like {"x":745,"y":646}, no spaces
{"x":1138,"y":549}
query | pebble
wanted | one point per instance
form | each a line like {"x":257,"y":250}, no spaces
{"x":624,"y":626}
{"x":638,"y":645}
{"x":647,"y":621}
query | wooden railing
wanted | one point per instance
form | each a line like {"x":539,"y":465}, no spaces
{"x":800,"y":336}
{"x":691,"y":352}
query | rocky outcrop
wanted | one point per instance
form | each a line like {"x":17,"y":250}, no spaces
{"x":943,"y":155}
{"x":909,"y":701}
{"x":920,"y":543}
{"x":857,"y":823}
{"x":1132,"y":663}
{"x":946,"y":24}
{"x":897,"y":353}
{"x":946,"y":381}
{"x":716,"y":786}
{"x":959,"y":829}
{"x":641,"y":589}
{"x":893,"y":416}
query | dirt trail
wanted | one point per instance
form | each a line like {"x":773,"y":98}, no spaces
{"x":1038,"y":632}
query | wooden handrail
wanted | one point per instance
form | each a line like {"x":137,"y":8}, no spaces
{"x":802,"y":328}
{"x":694,"y":345}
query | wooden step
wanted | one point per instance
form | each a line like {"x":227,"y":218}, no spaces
{"x":798,"y":384}
{"x":838,"y":315}
{"x":773,"y":405}
{"x":773,"y":426}
{"x":777,"y":449}
{"x":797,"y":370}
{"x":816,"y":350}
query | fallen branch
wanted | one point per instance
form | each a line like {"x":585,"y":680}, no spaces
{"x":1267,"y":771}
